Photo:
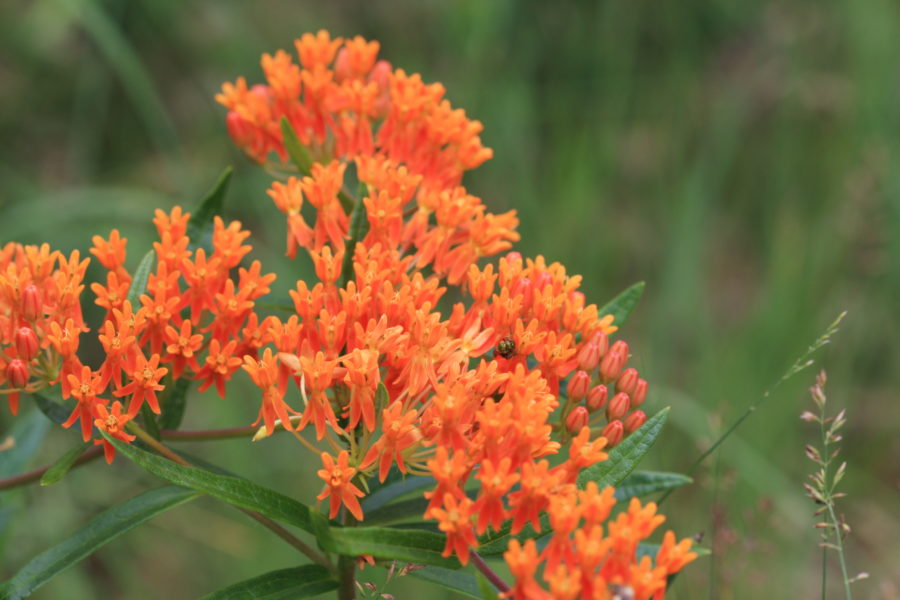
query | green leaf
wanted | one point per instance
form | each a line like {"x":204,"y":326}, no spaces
{"x":174,"y":404}
{"x":296,"y":151}
{"x":622,"y":305}
{"x":58,"y":469}
{"x":397,"y":511}
{"x":101,"y":530}
{"x":284,"y":584}
{"x":388,"y":493}
{"x":27,"y":434}
{"x":238,"y":492}
{"x":139,"y":282}
{"x":497,"y":542}
{"x":411,"y":545}
{"x":54,"y":411}
{"x":358,"y":222}
{"x":643,"y":483}
{"x":625,"y":457}
{"x":452,"y":579}
{"x":200,"y":225}
{"x":645,"y":549}
{"x":149,"y":419}
{"x":486,"y":589}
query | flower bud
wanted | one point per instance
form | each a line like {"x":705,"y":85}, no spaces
{"x":627,"y":380}
{"x":602,"y":341}
{"x":577,"y":419}
{"x":618,"y":406}
{"x":640,"y":393}
{"x":525,"y":288}
{"x":342,"y":68}
{"x":589,"y":356}
{"x":543,"y":280}
{"x":17,"y":373}
{"x":613,"y":432}
{"x":579,"y":385}
{"x":32,"y":302}
{"x":614,"y":361}
{"x":26,"y":343}
{"x":635,"y":421}
{"x":597,"y":398}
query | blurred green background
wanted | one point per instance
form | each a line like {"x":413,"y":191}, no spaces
{"x":740,"y":157}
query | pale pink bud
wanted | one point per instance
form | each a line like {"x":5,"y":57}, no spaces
{"x":17,"y":373}
{"x":602,"y":341}
{"x":26,"y":343}
{"x":579,"y":385}
{"x":342,"y":68}
{"x":577,"y":419}
{"x":597,"y":398}
{"x":640,"y":393}
{"x":618,"y":406}
{"x":525,"y":288}
{"x":635,"y":421}
{"x":543,"y":280}
{"x":613,"y":432}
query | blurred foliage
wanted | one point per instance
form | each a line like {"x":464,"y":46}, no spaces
{"x":740,"y":157}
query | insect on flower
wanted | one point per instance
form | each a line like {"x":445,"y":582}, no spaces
{"x":506,"y":347}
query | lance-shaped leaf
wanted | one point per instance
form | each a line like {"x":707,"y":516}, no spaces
{"x":644,"y":483}
{"x":58,"y":469}
{"x":358,"y":227}
{"x":139,"y":281}
{"x":101,"y":530}
{"x":54,"y":411}
{"x":625,"y":457}
{"x":238,"y":492}
{"x":174,"y":404}
{"x":200,"y":225}
{"x":622,"y":305}
{"x":296,"y":151}
{"x":391,"y":491}
{"x":411,"y":545}
{"x":453,"y":579}
{"x":284,"y":584}
{"x":23,"y":440}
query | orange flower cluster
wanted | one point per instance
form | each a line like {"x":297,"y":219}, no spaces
{"x":481,"y":387}
{"x":473,"y":396}
{"x":334,"y":109}
{"x":581,"y":561}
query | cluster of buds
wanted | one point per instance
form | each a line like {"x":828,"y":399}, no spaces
{"x":40,"y":316}
{"x":603,"y":388}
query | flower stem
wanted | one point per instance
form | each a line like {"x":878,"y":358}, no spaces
{"x":347,"y":566}
{"x":15,"y":481}
{"x":488,"y":572}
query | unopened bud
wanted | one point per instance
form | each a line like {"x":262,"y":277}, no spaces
{"x":618,"y":406}
{"x":602,"y":341}
{"x":589,"y":356}
{"x":579,"y":385}
{"x":27,"y":345}
{"x":613,"y":432}
{"x":342,"y":68}
{"x":627,"y":380}
{"x":525,"y":288}
{"x":17,"y":373}
{"x":635,"y":421}
{"x":32,"y":302}
{"x":640,"y":393}
{"x":596,"y":398}
{"x":577,"y":419}
{"x":614,"y":361}
{"x":543,"y":280}
{"x":513,"y":258}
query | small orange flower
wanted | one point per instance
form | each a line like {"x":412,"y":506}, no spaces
{"x":455,"y":520}
{"x":144,"y":383}
{"x":85,"y":389}
{"x":338,"y":485}
{"x":112,"y":422}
